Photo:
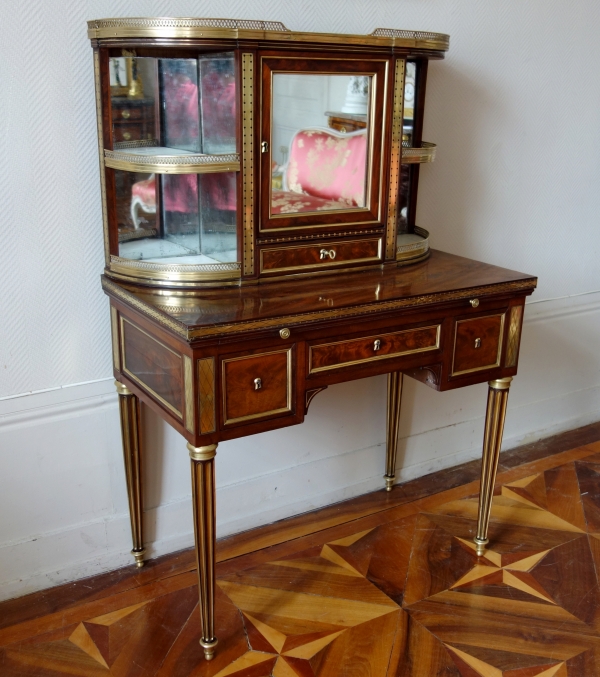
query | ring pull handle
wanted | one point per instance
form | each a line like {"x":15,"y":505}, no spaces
{"x":257,"y":384}
{"x":327,"y":253}
{"x":377,"y":345}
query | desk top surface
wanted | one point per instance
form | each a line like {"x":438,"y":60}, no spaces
{"x":233,"y":310}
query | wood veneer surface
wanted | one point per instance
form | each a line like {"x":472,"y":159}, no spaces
{"x":386,"y":584}
{"x":441,"y":273}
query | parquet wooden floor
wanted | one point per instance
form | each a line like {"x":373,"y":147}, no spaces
{"x":390,"y":585}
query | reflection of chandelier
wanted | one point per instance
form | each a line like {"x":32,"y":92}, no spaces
{"x":357,"y":95}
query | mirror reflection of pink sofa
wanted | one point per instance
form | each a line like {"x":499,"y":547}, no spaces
{"x":326,"y":169}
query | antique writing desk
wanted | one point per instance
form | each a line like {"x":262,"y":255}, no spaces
{"x":257,"y":253}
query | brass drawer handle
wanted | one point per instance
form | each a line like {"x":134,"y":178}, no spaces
{"x":478,"y":343}
{"x":126,"y":136}
{"x":327,"y":253}
{"x":257,"y":384}
{"x":474,"y":302}
{"x":377,"y":345}
{"x":126,"y":114}
{"x":284,"y":333}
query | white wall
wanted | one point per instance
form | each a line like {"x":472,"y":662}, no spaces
{"x":515,"y":110}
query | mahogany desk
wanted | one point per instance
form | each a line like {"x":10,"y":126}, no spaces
{"x":225,"y":363}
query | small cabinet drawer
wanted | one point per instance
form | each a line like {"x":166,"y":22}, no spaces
{"x":127,"y":133}
{"x":314,"y":256}
{"x":477,"y":344}
{"x":257,"y":386}
{"x":328,"y":356}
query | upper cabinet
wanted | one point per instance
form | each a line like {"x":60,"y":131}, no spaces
{"x":233,"y":151}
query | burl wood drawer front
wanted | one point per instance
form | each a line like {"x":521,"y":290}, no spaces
{"x":327,"y":356}
{"x":279,"y":259}
{"x":257,"y":386}
{"x":477,"y":344}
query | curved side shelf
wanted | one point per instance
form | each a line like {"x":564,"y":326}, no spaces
{"x":181,"y":274}
{"x":426,"y":153}
{"x":166,"y":161}
{"x":413,"y":247}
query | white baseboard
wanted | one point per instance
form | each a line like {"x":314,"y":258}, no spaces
{"x":67,"y":518}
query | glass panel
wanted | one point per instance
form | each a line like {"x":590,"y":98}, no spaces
{"x":198,"y":217}
{"x":180,"y":104}
{"x":133,"y":95}
{"x":174,"y":106}
{"x":409,"y":104}
{"x":405,"y":175}
{"x":319,"y":142}
{"x":218,"y":104}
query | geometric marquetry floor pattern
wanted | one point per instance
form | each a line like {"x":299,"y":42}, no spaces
{"x":400,"y":592}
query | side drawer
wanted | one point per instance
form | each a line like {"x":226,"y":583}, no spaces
{"x":257,"y":386}
{"x":328,"y":356}
{"x":324,"y":255}
{"x":477,"y":344}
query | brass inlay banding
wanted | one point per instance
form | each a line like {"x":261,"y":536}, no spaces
{"x":262,"y":414}
{"x":514,"y":334}
{"x":114,"y":331}
{"x":171,"y":164}
{"x":137,"y":379}
{"x":98,"y":86}
{"x":374,"y":358}
{"x":500,"y":343}
{"x":248,"y":160}
{"x":395,"y":160}
{"x":189,"y":333}
{"x":188,"y":382}
{"x":236,"y":29}
{"x":419,"y":155}
{"x":206,"y":395}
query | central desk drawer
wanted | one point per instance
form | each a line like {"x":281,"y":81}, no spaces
{"x":327,"y":356}
{"x":257,"y":386}
{"x":279,"y":259}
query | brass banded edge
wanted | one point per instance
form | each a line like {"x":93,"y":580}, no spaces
{"x":180,"y":28}
{"x":168,"y":168}
{"x":426,"y":153}
{"x":172,"y":272}
{"x":188,"y":382}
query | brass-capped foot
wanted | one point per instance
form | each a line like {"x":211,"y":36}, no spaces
{"x":209,"y":648}
{"x":389,"y":481}
{"x":139,"y":557}
{"x":480,"y":544}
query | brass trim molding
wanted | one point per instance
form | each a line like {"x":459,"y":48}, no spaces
{"x":137,"y":379}
{"x":263,"y":414}
{"x":248,"y":160}
{"x":202,"y":453}
{"x":374,"y":358}
{"x":114,"y":331}
{"x":172,"y":164}
{"x":174,"y":272}
{"x":304,"y":318}
{"x":414,"y":250}
{"x":395,"y":160}
{"x":514,"y":332}
{"x":240,"y":29}
{"x":485,"y":367}
{"x":426,"y":153}
{"x":501,"y":383}
{"x":188,"y":383}
{"x":98,"y":89}
{"x":122,"y":389}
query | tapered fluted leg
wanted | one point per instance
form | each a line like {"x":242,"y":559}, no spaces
{"x":492,"y":441}
{"x":129,"y":407}
{"x":203,"y":493}
{"x":394,"y":398}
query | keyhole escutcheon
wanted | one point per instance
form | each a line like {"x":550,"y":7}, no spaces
{"x":257,"y":384}
{"x":478,"y":343}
